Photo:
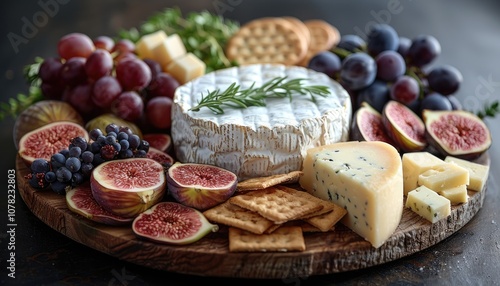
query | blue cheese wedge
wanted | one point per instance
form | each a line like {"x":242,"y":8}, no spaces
{"x":365,"y":178}
{"x":258,"y":141}
{"x":428,"y":204}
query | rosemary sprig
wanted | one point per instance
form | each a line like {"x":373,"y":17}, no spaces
{"x":490,"y":110}
{"x":279,"y":87}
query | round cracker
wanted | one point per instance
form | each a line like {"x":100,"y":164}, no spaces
{"x":324,"y":37}
{"x":267,"y":40}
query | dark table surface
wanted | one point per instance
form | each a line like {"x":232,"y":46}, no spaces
{"x":469,"y":33}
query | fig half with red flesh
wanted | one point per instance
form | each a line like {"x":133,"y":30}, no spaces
{"x":367,"y":126}
{"x":80,"y":201}
{"x":160,"y":141}
{"x":160,"y":156}
{"x":457,"y":133}
{"x":49,"y":139}
{"x":172,"y":223}
{"x":127,"y":187}
{"x":200,"y":186}
{"x":404,"y":127}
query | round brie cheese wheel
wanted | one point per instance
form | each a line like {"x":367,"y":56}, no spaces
{"x":258,"y":141}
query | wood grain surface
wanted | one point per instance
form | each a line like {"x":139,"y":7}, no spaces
{"x":338,"y":251}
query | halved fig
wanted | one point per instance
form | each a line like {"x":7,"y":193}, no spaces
{"x":80,"y":200}
{"x":127,"y":187}
{"x":367,"y":126}
{"x":160,"y":141}
{"x":200,"y":186}
{"x":404,"y":127}
{"x":172,"y":223}
{"x":457,"y":133}
{"x":49,"y":139}
{"x":160,"y":156}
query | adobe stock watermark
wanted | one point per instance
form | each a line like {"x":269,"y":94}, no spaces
{"x":484,"y":93}
{"x":31,"y":26}
{"x":384,"y":16}
{"x":121,"y":277}
{"x":223,"y":6}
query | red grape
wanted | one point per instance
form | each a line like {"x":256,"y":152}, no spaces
{"x":99,"y":64}
{"x":106,"y":90}
{"x":405,"y":90}
{"x":52,"y":90}
{"x":75,"y":45}
{"x":123,"y":46}
{"x":133,"y":74}
{"x":404,"y":46}
{"x":73,"y":71}
{"x":80,"y":97}
{"x":104,"y":42}
{"x":158,"y":112}
{"x":390,"y":65}
{"x":128,"y":105}
{"x":163,"y":84}
{"x":154,"y":66}
{"x":49,"y":70}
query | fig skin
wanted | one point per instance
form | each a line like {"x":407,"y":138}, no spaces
{"x":42,"y":113}
{"x":160,"y":141}
{"x":80,"y":201}
{"x":39,"y":141}
{"x":104,"y":120}
{"x":108,"y":182}
{"x":173,"y":223}
{"x":397,"y":133}
{"x":199,"y":194}
{"x":461,"y":124}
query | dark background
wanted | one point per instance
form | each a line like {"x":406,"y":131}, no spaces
{"x":469,"y":33}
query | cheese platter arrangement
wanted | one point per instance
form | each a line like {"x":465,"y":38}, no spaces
{"x":284,"y":149}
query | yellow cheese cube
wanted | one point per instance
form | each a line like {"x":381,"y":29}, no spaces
{"x":186,"y":68}
{"x":444,"y":176}
{"x":414,"y":164}
{"x":456,"y":195}
{"x":478,"y":173}
{"x":144,"y":47}
{"x":169,"y":49}
{"x":428,"y":204}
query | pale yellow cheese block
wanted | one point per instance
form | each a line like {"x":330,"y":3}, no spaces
{"x":478,"y":173}
{"x":144,"y":47}
{"x":186,"y":68}
{"x":445,"y":176}
{"x":168,"y":50}
{"x":428,"y":204}
{"x":365,"y":178}
{"x":456,"y":195}
{"x":414,"y":164}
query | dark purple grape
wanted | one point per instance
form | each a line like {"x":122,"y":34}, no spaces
{"x":98,"y":64}
{"x":376,"y":95}
{"x":110,"y":139}
{"x":106,"y":89}
{"x":358,"y":71}
{"x":382,"y":37}
{"x":124,"y":144}
{"x":163,"y":84}
{"x":140,"y":154}
{"x":63,"y":174}
{"x":390,"y":65}
{"x":144,"y":145}
{"x":94,"y":133}
{"x":122,"y":136}
{"x":59,"y":187}
{"x":126,"y":129}
{"x":112,"y":127}
{"x":444,"y":80}
{"x":50,"y":176}
{"x":52,"y":90}
{"x":127,"y":153}
{"x":75,"y":151}
{"x":134,"y":141}
{"x":154,"y":66}
{"x":77,"y":179}
{"x":87,"y":157}
{"x":79,"y":142}
{"x":50,"y":70}
{"x":405,"y":90}
{"x":455,"y":103}
{"x":423,"y":50}
{"x":73,"y":71}
{"x":40,"y":166}
{"x":57,"y":160}
{"x":352,"y":43}
{"x":86,"y":169}
{"x":403,"y":46}
{"x":326,"y":62}
{"x":97,"y":159}
{"x":101,"y":140}
{"x":435,"y":101}
{"x":73,"y":164}
{"x":65,"y":152}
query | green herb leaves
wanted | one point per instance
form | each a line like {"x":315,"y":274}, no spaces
{"x":490,"y":110}
{"x":203,"y":34}
{"x":234,"y":96}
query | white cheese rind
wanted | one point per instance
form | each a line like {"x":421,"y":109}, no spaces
{"x":258,"y":141}
{"x":365,"y":178}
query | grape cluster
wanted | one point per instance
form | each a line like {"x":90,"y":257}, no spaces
{"x":101,"y":75}
{"x":386,"y":66}
{"x":73,"y":165}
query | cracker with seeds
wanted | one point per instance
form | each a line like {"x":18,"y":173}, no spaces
{"x":283,"y":239}
{"x":235,"y":216}
{"x":276,"y":205}
{"x":260,"y":183}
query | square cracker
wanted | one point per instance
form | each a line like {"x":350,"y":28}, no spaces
{"x":275,"y":204}
{"x":283,"y":239}
{"x":306,"y":227}
{"x":327,"y":205}
{"x":235,"y":216}
{"x":326,"y":221}
{"x":260,"y":183}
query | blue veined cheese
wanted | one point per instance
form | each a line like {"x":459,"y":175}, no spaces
{"x":366,"y":178}
{"x":258,"y":141}
{"x":428,"y":204}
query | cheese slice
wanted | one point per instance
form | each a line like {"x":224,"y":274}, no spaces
{"x":144,"y":47}
{"x":168,"y":50}
{"x":186,"y":68}
{"x":258,"y":141}
{"x":478,"y":173}
{"x":428,"y":204}
{"x":363,"y":177}
{"x":414,"y":164}
{"x":444,"y":176}
{"x":456,"y":195}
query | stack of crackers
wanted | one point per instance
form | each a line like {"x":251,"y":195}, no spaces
{"x":281,"y":40}
{"x":265,"y":215}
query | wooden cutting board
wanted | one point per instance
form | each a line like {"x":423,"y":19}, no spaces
{"x":326,"y":253}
